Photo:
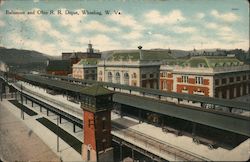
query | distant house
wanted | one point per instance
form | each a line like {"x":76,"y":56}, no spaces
{"x":214,"y":76}
{"x":58,"y":67}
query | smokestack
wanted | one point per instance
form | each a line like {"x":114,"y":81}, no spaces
{"x":141,"y":56}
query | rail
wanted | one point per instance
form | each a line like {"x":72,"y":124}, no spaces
{"x":65,"y":106}
{"x":155,"y":146}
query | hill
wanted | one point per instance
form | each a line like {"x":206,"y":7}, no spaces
{"x":23,"y":60}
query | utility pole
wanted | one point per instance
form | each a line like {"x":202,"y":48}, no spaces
{"x":57,"y":133}
{"x":1,"y":93}
{"x":22,"y":114}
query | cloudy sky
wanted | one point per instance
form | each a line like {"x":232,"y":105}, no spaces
{"x":179,"y":24}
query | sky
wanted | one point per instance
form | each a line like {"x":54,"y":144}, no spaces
{"x":174,"y":24}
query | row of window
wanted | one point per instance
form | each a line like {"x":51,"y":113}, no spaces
{"x":144,"y":76}
{"x":231,"y":79}
{"x":118,"y":78}
{"x":126,"y":75}
{"x":198,"y":79}
{"x":92,"y":71}
{"x":165,"y":74}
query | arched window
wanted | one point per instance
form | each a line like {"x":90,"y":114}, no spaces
{"x":126,"y":78}
{"x":110,"y":76}
{"x":117,"y":78}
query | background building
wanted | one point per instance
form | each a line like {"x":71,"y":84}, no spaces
{"x":58,"y":67}
{"x":223,"y":77}
{"x":65,"y":66}
{"x":90,"y":53}
{"x":85,"y":69}
{"x":136,"y":68}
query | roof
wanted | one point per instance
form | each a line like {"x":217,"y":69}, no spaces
{"x":174,"y":61}
{"x":135,"y":55}
{"x":88,"y":61}
{"x":73,"y":55}
{"x":212,"y":61}
{"x":96,"y":90}
{"x":70,"y":55}
{"x":58,"y":65}
{"x":221,"y":120}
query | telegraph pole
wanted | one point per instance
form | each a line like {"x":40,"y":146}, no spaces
{"x":57,"y":133}
{"x":1,"y":93}
{"x":22,"y":114}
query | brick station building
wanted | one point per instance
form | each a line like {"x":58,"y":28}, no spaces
{"x":214,"y":76}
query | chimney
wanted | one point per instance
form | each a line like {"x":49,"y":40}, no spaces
{"x":141,"y":56}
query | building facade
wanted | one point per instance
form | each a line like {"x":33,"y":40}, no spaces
{"x":65,"y":65}
{"x":85,"y":69}
{"x":134,"y":73}
{"x":130,"y":68}
{"x":58,"y":67}
{"x":222,"y":77}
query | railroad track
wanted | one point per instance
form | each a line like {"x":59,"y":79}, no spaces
{"x":151,"y":144}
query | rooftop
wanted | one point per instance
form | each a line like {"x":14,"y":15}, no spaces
{"x":96,"y":90}
{"x":88,"y":61}
{"x":212,"y":61}
{"x":135,"y":55}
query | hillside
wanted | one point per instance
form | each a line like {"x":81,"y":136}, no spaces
{"x":23,"y":60}
{"x":16,"y":56}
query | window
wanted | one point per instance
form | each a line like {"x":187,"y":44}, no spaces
{"x":89,"y":123}
{"x":217,"y":81}
{"x":184,"y":79}
{"x":144,"y":76}
{"x":86,"y":71}
{"x":199,"y":80}
{"x":201,"y":65}
{"x":164,"y":74}
{"x":238,"y":78}
{"x":134,"y":75}
{"x":164,"y":84}
{"x":244,"y":77}
{"x":117,"y":77}
{"x":224,"y":81}
{"x":231,"y":79}
{"x":88,"y":155}
{"x":110,"y":77}
{"x":126,"y":78}
{"x":104,"y":123}
{"x":92,"y":71}
{"x":151,"y":75}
